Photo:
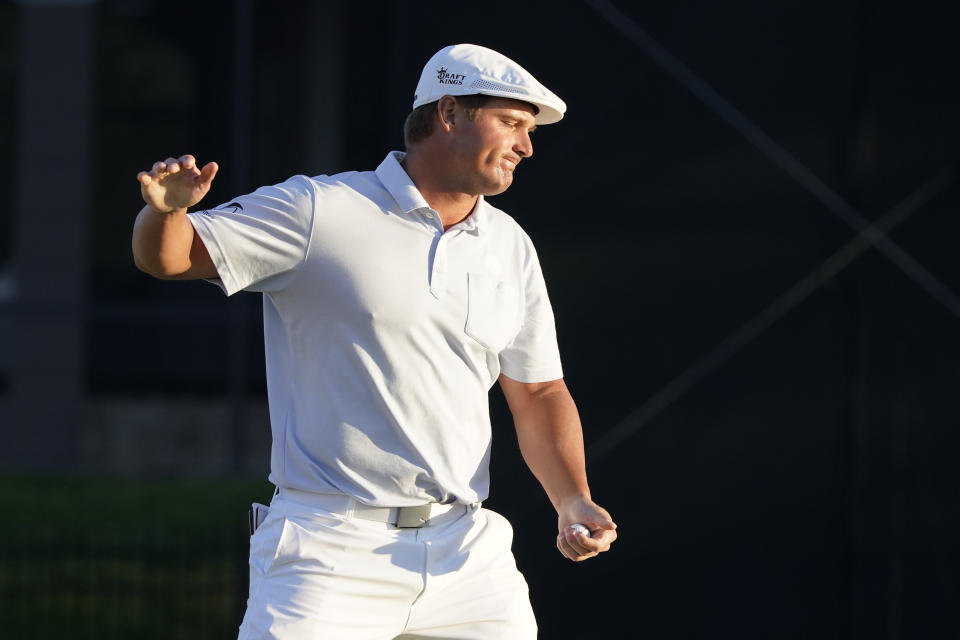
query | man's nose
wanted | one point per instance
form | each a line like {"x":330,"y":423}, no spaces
{"x":524,"y":145}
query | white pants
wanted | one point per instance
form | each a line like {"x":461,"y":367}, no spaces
{"x":316,"y":575}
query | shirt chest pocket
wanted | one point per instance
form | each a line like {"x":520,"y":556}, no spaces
{"x":493,"y":311}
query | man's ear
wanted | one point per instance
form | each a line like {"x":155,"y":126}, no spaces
{"x":446,"y":110}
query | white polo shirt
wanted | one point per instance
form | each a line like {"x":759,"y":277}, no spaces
{"x":383,"y":333}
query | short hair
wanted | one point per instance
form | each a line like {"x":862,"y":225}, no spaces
{"x":419,"y":123}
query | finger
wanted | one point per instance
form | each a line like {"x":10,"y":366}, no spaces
{"x":158,"y":167}
{"x":603,"y":524}
{"x":208,"y":171}
{"x":605,"y":537}
{"x":573,"y":550}
{"x":566,"y":550}
{"x":586,"y":546}
{"x":187,"y":161}
{"x":598,"y":527}
{"x":601,"y":541}
{"x":144,"y":178}
{"x":578,"y":540}
{"x":173,"y":165}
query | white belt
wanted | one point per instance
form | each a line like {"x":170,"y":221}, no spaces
{"x":401,"y":517}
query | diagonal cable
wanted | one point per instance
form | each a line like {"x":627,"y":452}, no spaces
{"x":777,"y":154}
{"x":769,"y":315}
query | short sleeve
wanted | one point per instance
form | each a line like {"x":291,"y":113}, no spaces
{"x":258,"y":241}
{"x":533,"y":354}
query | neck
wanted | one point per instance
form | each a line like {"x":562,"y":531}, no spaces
{"x":427,"y":171}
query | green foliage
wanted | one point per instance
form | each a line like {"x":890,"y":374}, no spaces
{"x":116,"y":558}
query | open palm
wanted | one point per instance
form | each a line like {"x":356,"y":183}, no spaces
{"x":176,"y":183}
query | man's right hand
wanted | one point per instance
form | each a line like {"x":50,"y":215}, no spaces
{"x":164,"y":243}
{"x":176,"y":183}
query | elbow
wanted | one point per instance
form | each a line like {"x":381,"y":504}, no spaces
{"x":155,"y":268}
{"x":144,"y":265}
{"x":139,"y":264}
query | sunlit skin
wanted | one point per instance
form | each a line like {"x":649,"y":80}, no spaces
{"x":467,"y":157}
{"x":487,"y":150}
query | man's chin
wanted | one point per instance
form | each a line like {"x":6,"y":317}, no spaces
{"x":500,"y":186}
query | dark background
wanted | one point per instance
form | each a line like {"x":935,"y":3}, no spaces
{"x":769,"y":396}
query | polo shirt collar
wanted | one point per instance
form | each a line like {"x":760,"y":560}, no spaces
{"x":399,"y":184}
{"x":396,"y":181}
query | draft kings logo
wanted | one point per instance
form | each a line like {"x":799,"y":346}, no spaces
{"x":445,"y":77}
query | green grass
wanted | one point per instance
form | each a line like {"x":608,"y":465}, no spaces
{"x":117,"y":558}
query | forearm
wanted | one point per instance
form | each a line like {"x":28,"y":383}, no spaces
{"x":551,"y":441}
{"x":162,"y":242}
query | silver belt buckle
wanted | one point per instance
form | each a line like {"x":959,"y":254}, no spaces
{"x":413,"y":517}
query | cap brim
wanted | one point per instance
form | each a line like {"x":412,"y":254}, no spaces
{"x":547,"y":113}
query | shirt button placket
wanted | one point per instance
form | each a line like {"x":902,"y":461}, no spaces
{"x":438,"y":279}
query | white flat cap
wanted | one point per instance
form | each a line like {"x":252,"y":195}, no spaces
{"x":467,"y":69}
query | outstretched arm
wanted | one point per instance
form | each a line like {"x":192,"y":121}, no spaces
{"x":164,"y":243}
{"x":551,"y":441}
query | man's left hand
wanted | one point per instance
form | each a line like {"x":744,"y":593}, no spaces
{"x":579,"y":546}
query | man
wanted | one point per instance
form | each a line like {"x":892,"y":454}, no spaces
{"x":393,"y":300}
